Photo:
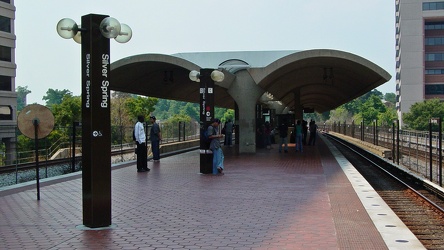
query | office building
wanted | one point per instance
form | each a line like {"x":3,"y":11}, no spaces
{"x":419,"y":52}
{"x":8,"y":96}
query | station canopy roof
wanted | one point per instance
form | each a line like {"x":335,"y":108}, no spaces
{"x":323,"y":78}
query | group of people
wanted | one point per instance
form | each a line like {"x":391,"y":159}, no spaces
{"x":265,"y":135}
{"x":300,"y":132}
{"x":156,"y":137}
{"x":140,"y":138}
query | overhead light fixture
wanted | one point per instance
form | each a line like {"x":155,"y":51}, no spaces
{"x":109,"y":28}
{"x":216,"y":76}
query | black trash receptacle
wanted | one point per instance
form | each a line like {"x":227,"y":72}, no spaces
{"x":206,"y":162}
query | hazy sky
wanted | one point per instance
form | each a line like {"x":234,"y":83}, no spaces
{"x":45,"y":60}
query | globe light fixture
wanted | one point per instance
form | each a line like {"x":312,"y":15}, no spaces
{"x":109,"y":28}
{"x":215,"y":75}
{"x":194,"y":76}
{"x":67,"y":28}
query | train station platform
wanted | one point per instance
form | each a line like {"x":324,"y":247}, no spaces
{"x":296,"y":200}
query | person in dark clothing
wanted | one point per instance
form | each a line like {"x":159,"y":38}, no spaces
{"x":313,"y":130}
{"x":228,"y":133}
{"x":304,"y":132}
{"x":298,"y":136}
{"x":268,"y":135}
{"x":155,"y":138}
{"x":139,"y":135}
{"x":218,"y":154}
{"x":283,"y":134}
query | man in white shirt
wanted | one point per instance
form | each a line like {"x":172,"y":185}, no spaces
{"x":139,"y":134}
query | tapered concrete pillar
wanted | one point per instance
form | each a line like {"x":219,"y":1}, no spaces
{"x":246,"y":93}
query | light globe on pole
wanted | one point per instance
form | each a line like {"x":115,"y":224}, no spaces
{"x":67,"y":28}
{"x":110,"y":27}
{"x":217,"y":76}
{"x":125,"y":34}
{"x":194,"y":76}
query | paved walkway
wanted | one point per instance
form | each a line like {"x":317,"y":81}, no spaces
{"x":264,"y":201}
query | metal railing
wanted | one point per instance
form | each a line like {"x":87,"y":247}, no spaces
{"x":18,"y":149}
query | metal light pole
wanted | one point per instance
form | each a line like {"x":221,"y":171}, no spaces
{"x":96,"y":127}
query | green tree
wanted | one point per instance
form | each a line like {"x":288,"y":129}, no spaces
{"x":68,"y":111}
{"x":390,"y":97}
{"x":140,"y":106}
{"x":21,"y":96}
{"x":371,"y":108}
{"x":355,"y":105}
{"x":122,"y":124}
{"x":55,"y":96}
{"x":169,"y":127}
{"x":340,"y":114}
{"x":387,"y":118}
{"x":161,"y":109}
{"x":191,"y":110}
{"x":228,"y":115}
{"x":420,"y":113}
{"x":119,"y":113}
{"x":219,"y":112}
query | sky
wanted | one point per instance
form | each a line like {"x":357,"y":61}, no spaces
{"x":45,"y":60}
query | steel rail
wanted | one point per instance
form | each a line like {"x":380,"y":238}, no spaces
{"x":439,"y":208}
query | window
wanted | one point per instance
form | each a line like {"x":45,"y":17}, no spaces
{"x":434,"y":25}
{"x":433,"y":6}
{"x":5,"y":113}
{"x":433,"y":57}
{"x":5,"y":53}
{"x":435,"y":89}
{"x":434,"y":71}
{"x":434,"y":41}
{"x":5,"y":24}
{"x":5,"y":83}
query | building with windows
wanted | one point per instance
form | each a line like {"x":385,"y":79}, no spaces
{"x":8,"y":96}
{"x":419,"y":52}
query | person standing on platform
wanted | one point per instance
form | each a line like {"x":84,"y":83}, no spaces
{"x":313,"y":130}
{"x":155,"y":138}
{"x":229,"y":133}
{"x":298,"y":137}
{"x":268,"y":135}
{"x":139,"y":135}
{"x":304,"y":132}
{"x":283,"y":134}
{"x":218,"y":155}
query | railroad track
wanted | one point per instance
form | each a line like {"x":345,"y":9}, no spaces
{"x":416,"y":202}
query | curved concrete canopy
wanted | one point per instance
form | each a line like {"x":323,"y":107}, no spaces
{"x":161,"y":76}
{"x":325,"y":79}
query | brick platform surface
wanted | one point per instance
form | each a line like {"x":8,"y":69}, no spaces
{"x":270,"y":200}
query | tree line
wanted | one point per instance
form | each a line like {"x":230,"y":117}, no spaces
{"x":125,"y":107}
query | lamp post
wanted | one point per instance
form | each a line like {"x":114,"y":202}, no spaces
{"x":94,"y":37}
{"x":206,"y":78}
